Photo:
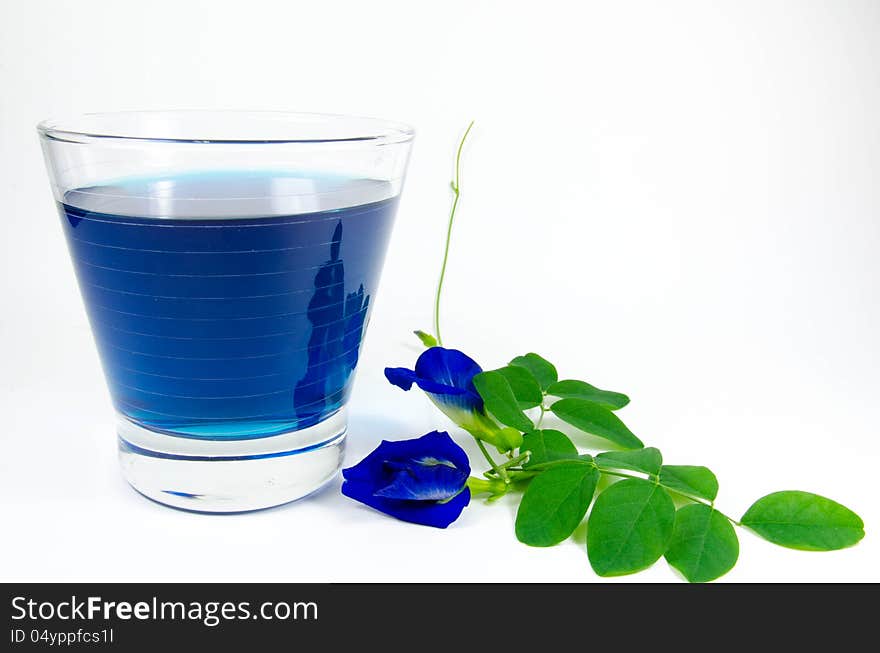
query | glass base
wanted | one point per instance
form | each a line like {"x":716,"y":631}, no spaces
{"x":231,"y":475}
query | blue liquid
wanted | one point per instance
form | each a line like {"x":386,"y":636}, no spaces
{"x":228,"y":318}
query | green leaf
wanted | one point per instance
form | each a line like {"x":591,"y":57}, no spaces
{"x":547,"y":445}
{"x":646,"y":460}
{"x":596,"y":420}
{"x":704,"y":545}
{"x":555,"y":503}
{"x":427,"y":339}
{"x":570,"y":389}
{"x":801,"y":520}
{"x":541,"y":369}
{"x":525,"y":387}
{"x":629,"y":527}
{"x":690,"y":479}
{"x":499,"y":400}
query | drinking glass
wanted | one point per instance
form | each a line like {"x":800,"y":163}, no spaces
{"x":228,"y":262}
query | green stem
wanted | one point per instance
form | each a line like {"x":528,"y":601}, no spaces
{"x":684,"y":495}
{"x":540,"y":467}
{"x":620,"y":474}
{"x":516,"y":460}
{"x":498,"y":470}
{"x":705,"y":503}
{"x":456,"y":193}
{"x":541,"y":418}
{"x":521,"y":475}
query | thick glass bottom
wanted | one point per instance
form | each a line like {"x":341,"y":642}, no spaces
{"x":231,"y":476}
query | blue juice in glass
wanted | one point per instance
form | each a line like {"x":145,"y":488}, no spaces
{"x":229,"y":305}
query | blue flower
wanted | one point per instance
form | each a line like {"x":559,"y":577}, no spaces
{"x":420,"y":480}
{"x":447,"y":377}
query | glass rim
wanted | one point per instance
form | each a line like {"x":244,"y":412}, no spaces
{"x":381,"y":132}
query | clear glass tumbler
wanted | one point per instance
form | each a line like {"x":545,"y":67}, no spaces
{"x":228,"y":262}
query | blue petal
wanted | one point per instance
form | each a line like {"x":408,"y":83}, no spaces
{"x":427,"y":478}
{"x":404,"y":378}
{"x":408,"y":479}
{"x":401,"y":377}
{"x":448,"y":367}
{"x":446,"y":374}
{"x":427,"y":513}
{"x":459,"y":407}
{"x":436,"y":444}
{"x":372,"y":468}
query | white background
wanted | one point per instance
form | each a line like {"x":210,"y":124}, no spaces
{"x":678,"y":200}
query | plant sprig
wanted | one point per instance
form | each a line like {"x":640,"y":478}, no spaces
{"x":652,"y":510}
{"x":455,"y":184}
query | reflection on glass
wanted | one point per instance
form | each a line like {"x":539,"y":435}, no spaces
{"x":337,"y":322}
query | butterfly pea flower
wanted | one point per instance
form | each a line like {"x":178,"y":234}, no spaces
{"x":447,"y":377}
{"x":423,"y":480}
